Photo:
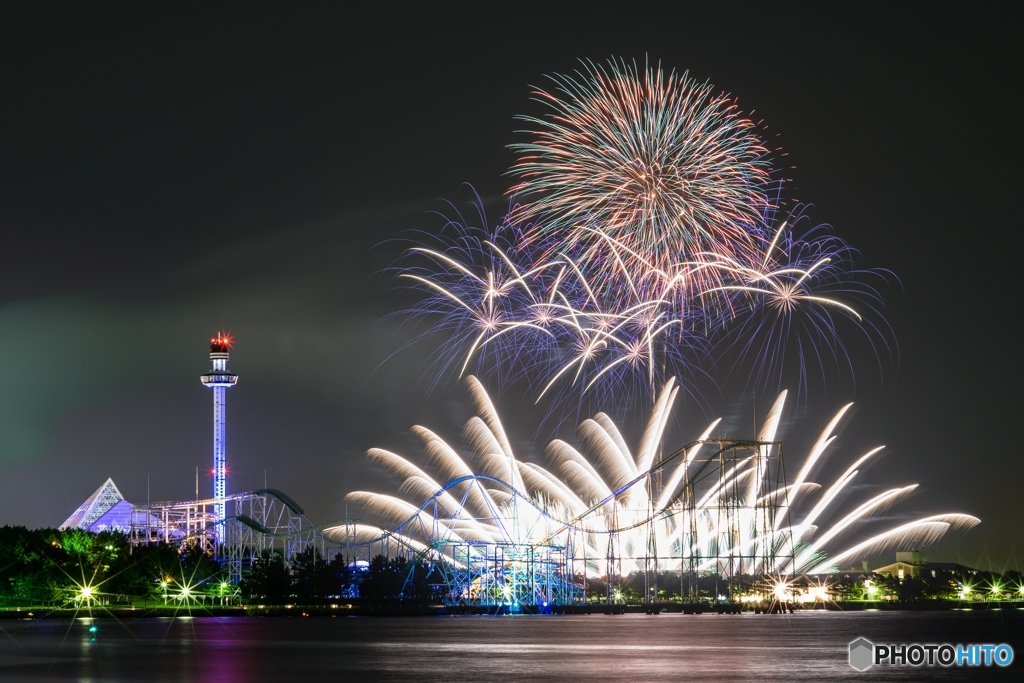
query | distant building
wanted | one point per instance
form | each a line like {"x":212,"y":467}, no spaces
{"x":236,"y":528}
{"x":199,"y":520}
{"x":908,"y":563}
{"x":104,"y":510}
{"x":915,"y":564}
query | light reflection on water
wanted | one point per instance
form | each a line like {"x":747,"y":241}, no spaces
{"x":633,"y":647}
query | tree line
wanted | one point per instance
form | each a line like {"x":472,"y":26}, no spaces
{"x":311,"y":579}
{"x":55,"y":567}
{"x":51,"y":567}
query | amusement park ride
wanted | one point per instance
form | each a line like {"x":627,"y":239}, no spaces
{"x":544,"y":569}
{"x":530,"y":558}
{"x":235,"y":527}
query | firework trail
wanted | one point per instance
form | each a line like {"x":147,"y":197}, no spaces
{"x":655,"y":161}
{"x":644,"y":243}
{"x":600,"y":490}
{"x":566,"y":331}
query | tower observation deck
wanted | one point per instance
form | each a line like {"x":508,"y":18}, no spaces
{"x":219,"y":379}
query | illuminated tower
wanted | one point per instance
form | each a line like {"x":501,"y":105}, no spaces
{"x":220,"y":379}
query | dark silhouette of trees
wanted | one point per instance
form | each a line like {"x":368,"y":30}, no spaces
{"x":317,"y":581}
{"x":31,"y":565}
{"x":267,"y":580}
{"x":384,"y":579}
{"x":397,"y":579}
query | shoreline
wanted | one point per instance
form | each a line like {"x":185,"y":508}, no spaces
{"x":356,"y":610}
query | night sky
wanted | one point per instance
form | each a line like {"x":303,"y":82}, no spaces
{"x":166,"y":176}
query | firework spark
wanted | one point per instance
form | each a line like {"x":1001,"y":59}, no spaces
{"x":550,"y":321}
{"x":644,"y":243}
{"x":602,"y":492}
{"x":656,"y":161}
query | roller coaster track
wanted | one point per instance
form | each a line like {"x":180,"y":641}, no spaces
{"x":305,"y":525}
{"x":705,"y":467}
{"x":268,"y":518}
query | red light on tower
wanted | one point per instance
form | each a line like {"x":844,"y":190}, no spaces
{"x":221,"y":343}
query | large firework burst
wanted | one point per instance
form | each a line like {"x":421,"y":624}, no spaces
{"x":654,"y":161}
{"x":643,"y":243}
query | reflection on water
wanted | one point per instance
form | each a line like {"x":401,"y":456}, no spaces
{"x":635,"y":647}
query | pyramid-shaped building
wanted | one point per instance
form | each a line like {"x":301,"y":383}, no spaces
{"x":104,"y":510}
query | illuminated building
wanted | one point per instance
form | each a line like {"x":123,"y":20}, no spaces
{"x":106,"y":509}
{"x":234,"y":527}
{"x":220,"y":379}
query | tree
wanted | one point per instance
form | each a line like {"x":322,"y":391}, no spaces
{"x":268,"y":579}
{"x":398,"y":579}
{"x":314,"y":579}
{"x":31,"y":565}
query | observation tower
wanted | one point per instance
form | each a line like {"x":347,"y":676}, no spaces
{"x":220,"y":379}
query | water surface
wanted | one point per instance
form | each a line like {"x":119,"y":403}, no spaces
{"x":807,"y":646}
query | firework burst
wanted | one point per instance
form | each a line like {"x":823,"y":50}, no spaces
{"x":643,"y":243}
{"x":728,"y":516}
{"x":548,"y":319}
{"x":655,"y":161}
